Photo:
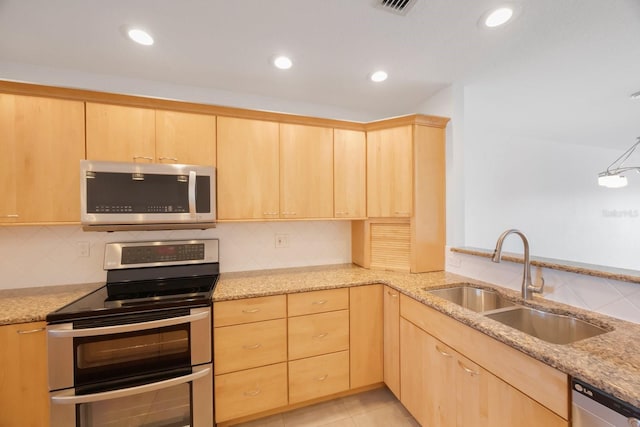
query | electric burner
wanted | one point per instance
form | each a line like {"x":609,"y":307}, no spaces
{"x":150,"y":276}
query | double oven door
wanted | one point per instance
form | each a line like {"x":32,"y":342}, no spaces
{"x":150,"y":368}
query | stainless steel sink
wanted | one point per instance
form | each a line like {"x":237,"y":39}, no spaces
{"x":476,"y":299}
{"x":550,"y":327}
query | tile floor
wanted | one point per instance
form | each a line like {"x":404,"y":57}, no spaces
{"x":376,"y":408}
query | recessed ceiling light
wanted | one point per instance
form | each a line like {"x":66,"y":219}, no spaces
{"x":140,"y":36}
{"x":378,"y":76}
{"x":282,"y":62}
{"x":498,"y":17}
{"x":635,"y":95}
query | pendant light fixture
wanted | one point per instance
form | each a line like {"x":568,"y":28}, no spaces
{"x":613,"y":176}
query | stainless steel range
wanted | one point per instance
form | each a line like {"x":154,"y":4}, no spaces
{"x":137,"y":351}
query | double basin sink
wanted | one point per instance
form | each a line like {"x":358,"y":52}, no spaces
{"x":550,"y":327}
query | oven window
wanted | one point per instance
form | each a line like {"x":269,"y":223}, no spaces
{"x":131,"y":355}
{"x":167,"y":407}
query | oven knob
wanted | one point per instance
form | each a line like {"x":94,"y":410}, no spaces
{"x":634,"y":422}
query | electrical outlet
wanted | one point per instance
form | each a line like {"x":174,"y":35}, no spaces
{"x":282,"y":240}
{"x":83,"y":249}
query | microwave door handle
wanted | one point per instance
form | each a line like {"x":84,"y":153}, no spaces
{"x":130,"y":327}
{"x":192,"y":194}
{"x":131,"y":391}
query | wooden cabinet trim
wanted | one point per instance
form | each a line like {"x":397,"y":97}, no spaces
{"x":191,"y":107}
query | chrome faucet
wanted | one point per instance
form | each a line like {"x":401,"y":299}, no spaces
{"x":527,"y":287}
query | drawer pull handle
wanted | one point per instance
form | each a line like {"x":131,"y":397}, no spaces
{"x":269,"y":213}
{"x":467,"y":370}
{"x":252,"y":347}
{"x":392,"y":294}
{"x":320,"y":336}
{"x":135,"y":158}
{"x":11,"y":216}
{"x":322,"y":378}
{"x":442,"y":352}
{"x":319,"y":302}
{"x":173,"y":159}
{"x":251,"y":310}
{"x":252,"y":393}
{"x":31,"y":331}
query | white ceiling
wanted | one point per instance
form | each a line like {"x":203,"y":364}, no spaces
{"x":563,"y":68}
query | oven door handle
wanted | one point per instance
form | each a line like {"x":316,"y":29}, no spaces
{"x":114,"y":394}
{"x":130,"y":327}
{"x":192,"y":194}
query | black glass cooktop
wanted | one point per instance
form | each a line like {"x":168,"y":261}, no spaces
{"x":136,"y":290}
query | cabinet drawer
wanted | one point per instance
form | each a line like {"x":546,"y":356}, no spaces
{"x":247,"y":310}
{"x":248,"y":346}
{"x":251,"y":391}
{"x":318,"y":301}
{"x":317,"y":334}
{"x":318,"y":376}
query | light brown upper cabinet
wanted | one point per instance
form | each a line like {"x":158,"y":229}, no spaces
{"x":185,"y":138}
{"x":42,"y":141}
{"x":132,"y":134}
{"x":389,"y":172}
{"x":349,"y":174}
{"x":306,"y":171}
{"x":248,"y":169}
{"x":405,"y":198}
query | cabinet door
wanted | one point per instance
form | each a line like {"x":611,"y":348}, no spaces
{"x":349,"y":174}
{"x":440,"y":389}
{"x":414,"y":352}
{"x":389,"y":172}
{"x":507,"y":407}
{"x":42,"y":142}
{"x":392,"y":340}
{"x":365,"y":335}
{"x":185,"y":138}
{"x":306,"y":172}
{"x":120,"y":134}
{"x":473,"y":394}
{"x":248,"y":169}
{"x":23,"y":375}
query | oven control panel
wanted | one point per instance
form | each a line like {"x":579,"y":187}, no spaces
{"x":147,"y":254}
{"x":162,"y":253}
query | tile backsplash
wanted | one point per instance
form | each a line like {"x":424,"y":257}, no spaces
{"x":55,"y":255}
{"x":611,"y":297}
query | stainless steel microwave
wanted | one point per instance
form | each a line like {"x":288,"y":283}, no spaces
{"x":116,"y":195}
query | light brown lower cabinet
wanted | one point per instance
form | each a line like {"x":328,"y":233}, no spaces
{"x":318,"y":376}
{"x":250,"y":391}
{"x":24,"y":393}
{"x":442,"y":387}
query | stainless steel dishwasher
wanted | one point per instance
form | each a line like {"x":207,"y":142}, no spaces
{"x":595,"y":408}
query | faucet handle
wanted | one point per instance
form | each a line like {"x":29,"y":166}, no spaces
{"x":537,"y":289}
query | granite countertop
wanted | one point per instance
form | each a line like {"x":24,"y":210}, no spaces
{"x":610,"y":361}
{"x":33,"y":304}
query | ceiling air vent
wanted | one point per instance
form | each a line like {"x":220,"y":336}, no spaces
{"x":399,"y":7}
